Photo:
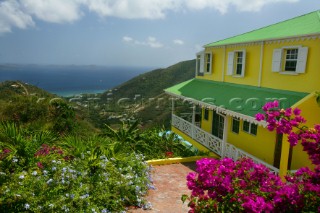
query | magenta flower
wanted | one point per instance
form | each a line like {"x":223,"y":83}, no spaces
{"x":260,"y":117}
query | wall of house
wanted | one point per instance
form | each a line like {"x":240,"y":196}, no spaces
{"x":261,"y":146}
{"x":206,"y":124}
{"x":306,"y":82}
{"x":310,"y":110}
{"x":216,"y":66}
{"x":252,"y":64}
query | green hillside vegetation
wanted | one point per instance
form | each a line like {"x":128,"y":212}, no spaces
{"x":35,"y":109}
{"x":153,"y":83}
{"x":143,"y":96}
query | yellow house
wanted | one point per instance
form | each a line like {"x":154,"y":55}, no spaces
{"x":236,"y":76}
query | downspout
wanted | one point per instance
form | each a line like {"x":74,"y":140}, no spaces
{"x":261,"y":64}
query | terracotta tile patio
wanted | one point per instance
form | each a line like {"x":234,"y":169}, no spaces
{"x":170,"y":182}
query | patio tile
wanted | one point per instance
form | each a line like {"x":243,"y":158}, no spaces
{"x":170,"y":182}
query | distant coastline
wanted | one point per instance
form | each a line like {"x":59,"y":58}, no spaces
{"x":70,"y":80}
{"x":72,"y":93}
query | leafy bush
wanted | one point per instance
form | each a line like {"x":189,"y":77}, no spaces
{"x":99,"y":177}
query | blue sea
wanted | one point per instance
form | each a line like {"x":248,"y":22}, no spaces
{"x":70,"y":80}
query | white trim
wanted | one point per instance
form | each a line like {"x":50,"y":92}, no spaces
{"x":249,"y":131}
{"x":288,"y":73}
{"x":272,"y":40}
{"x":206,"y":63}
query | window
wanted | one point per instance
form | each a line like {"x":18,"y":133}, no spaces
{"x":206,"y":114}
{"x":200,"y":63}
{"x":203,"y":63}
{"x":236,"y":63}
{"x":235,"y":125}
{"x":250,"y":128}
{"x":290,"y":59}
{"x":208,"y":62}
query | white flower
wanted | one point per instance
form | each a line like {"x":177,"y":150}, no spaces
{"x":58,"y":162}
{"x":64,"y":169}
{"x":14,"y":160}
{"x":54,"y":168}
{"x":49,"y":181}
{"x":34,"y":173}
{"x":45,"y":172}
{"x":26,"y":206}
{"x":21,"y":177}
{"x":54,"y":161}
{"x":51,"y":205}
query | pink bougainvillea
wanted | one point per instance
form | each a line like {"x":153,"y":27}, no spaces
{"x":243,"y":186}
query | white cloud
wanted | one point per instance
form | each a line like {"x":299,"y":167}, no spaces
{"x":150,"y":42}
{"x":127,"y":39}
{"x":129,"y":9}
{"x":178,"y":42}
{"x":240,"y":5}
{"x":20,"y":13}
{"x":56,"y":11}
{"x":11,"y":15}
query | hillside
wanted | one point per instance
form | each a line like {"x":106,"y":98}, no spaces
{"x":142,"y":97}
{"x":153,"y":83}
{"x":37,"y":109}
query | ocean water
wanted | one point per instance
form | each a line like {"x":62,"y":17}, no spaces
{"x":70,"y":80}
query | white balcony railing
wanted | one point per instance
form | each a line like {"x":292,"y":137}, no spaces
{"x":215,"y":144}
{"x":235,"y":153}
{"x":206,"y":139}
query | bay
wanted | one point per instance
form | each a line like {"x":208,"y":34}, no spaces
{"x":70,"y":80}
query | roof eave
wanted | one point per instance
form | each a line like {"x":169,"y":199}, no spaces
{"x":264,"y":40}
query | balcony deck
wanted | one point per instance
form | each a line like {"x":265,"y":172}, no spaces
{"x":214,"y":144}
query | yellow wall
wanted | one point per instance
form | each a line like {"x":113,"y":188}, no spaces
{"x":261,"y":146}
{"x":252,"y":64}
{"x":310,"y":110}
{"x":216,"y":66}
{"x":206,"y":124}
{"x":307,"y":82}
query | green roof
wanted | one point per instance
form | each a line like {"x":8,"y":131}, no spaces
{"x":243,"y":99}
{"x":301,"y":25}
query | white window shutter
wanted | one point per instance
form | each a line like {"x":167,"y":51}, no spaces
{"x":201,"y":70}
{"x":243,"y":63}
{"x":276,"y":60}
{"x":230,"y":63}
{"x":302,"y":59}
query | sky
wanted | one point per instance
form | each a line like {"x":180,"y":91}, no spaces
{"x":140,"y":33}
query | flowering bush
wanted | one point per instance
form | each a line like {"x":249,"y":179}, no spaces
{"x":70,"y":175}
{"x":71,"y":186}
{"x":243,"y":186}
